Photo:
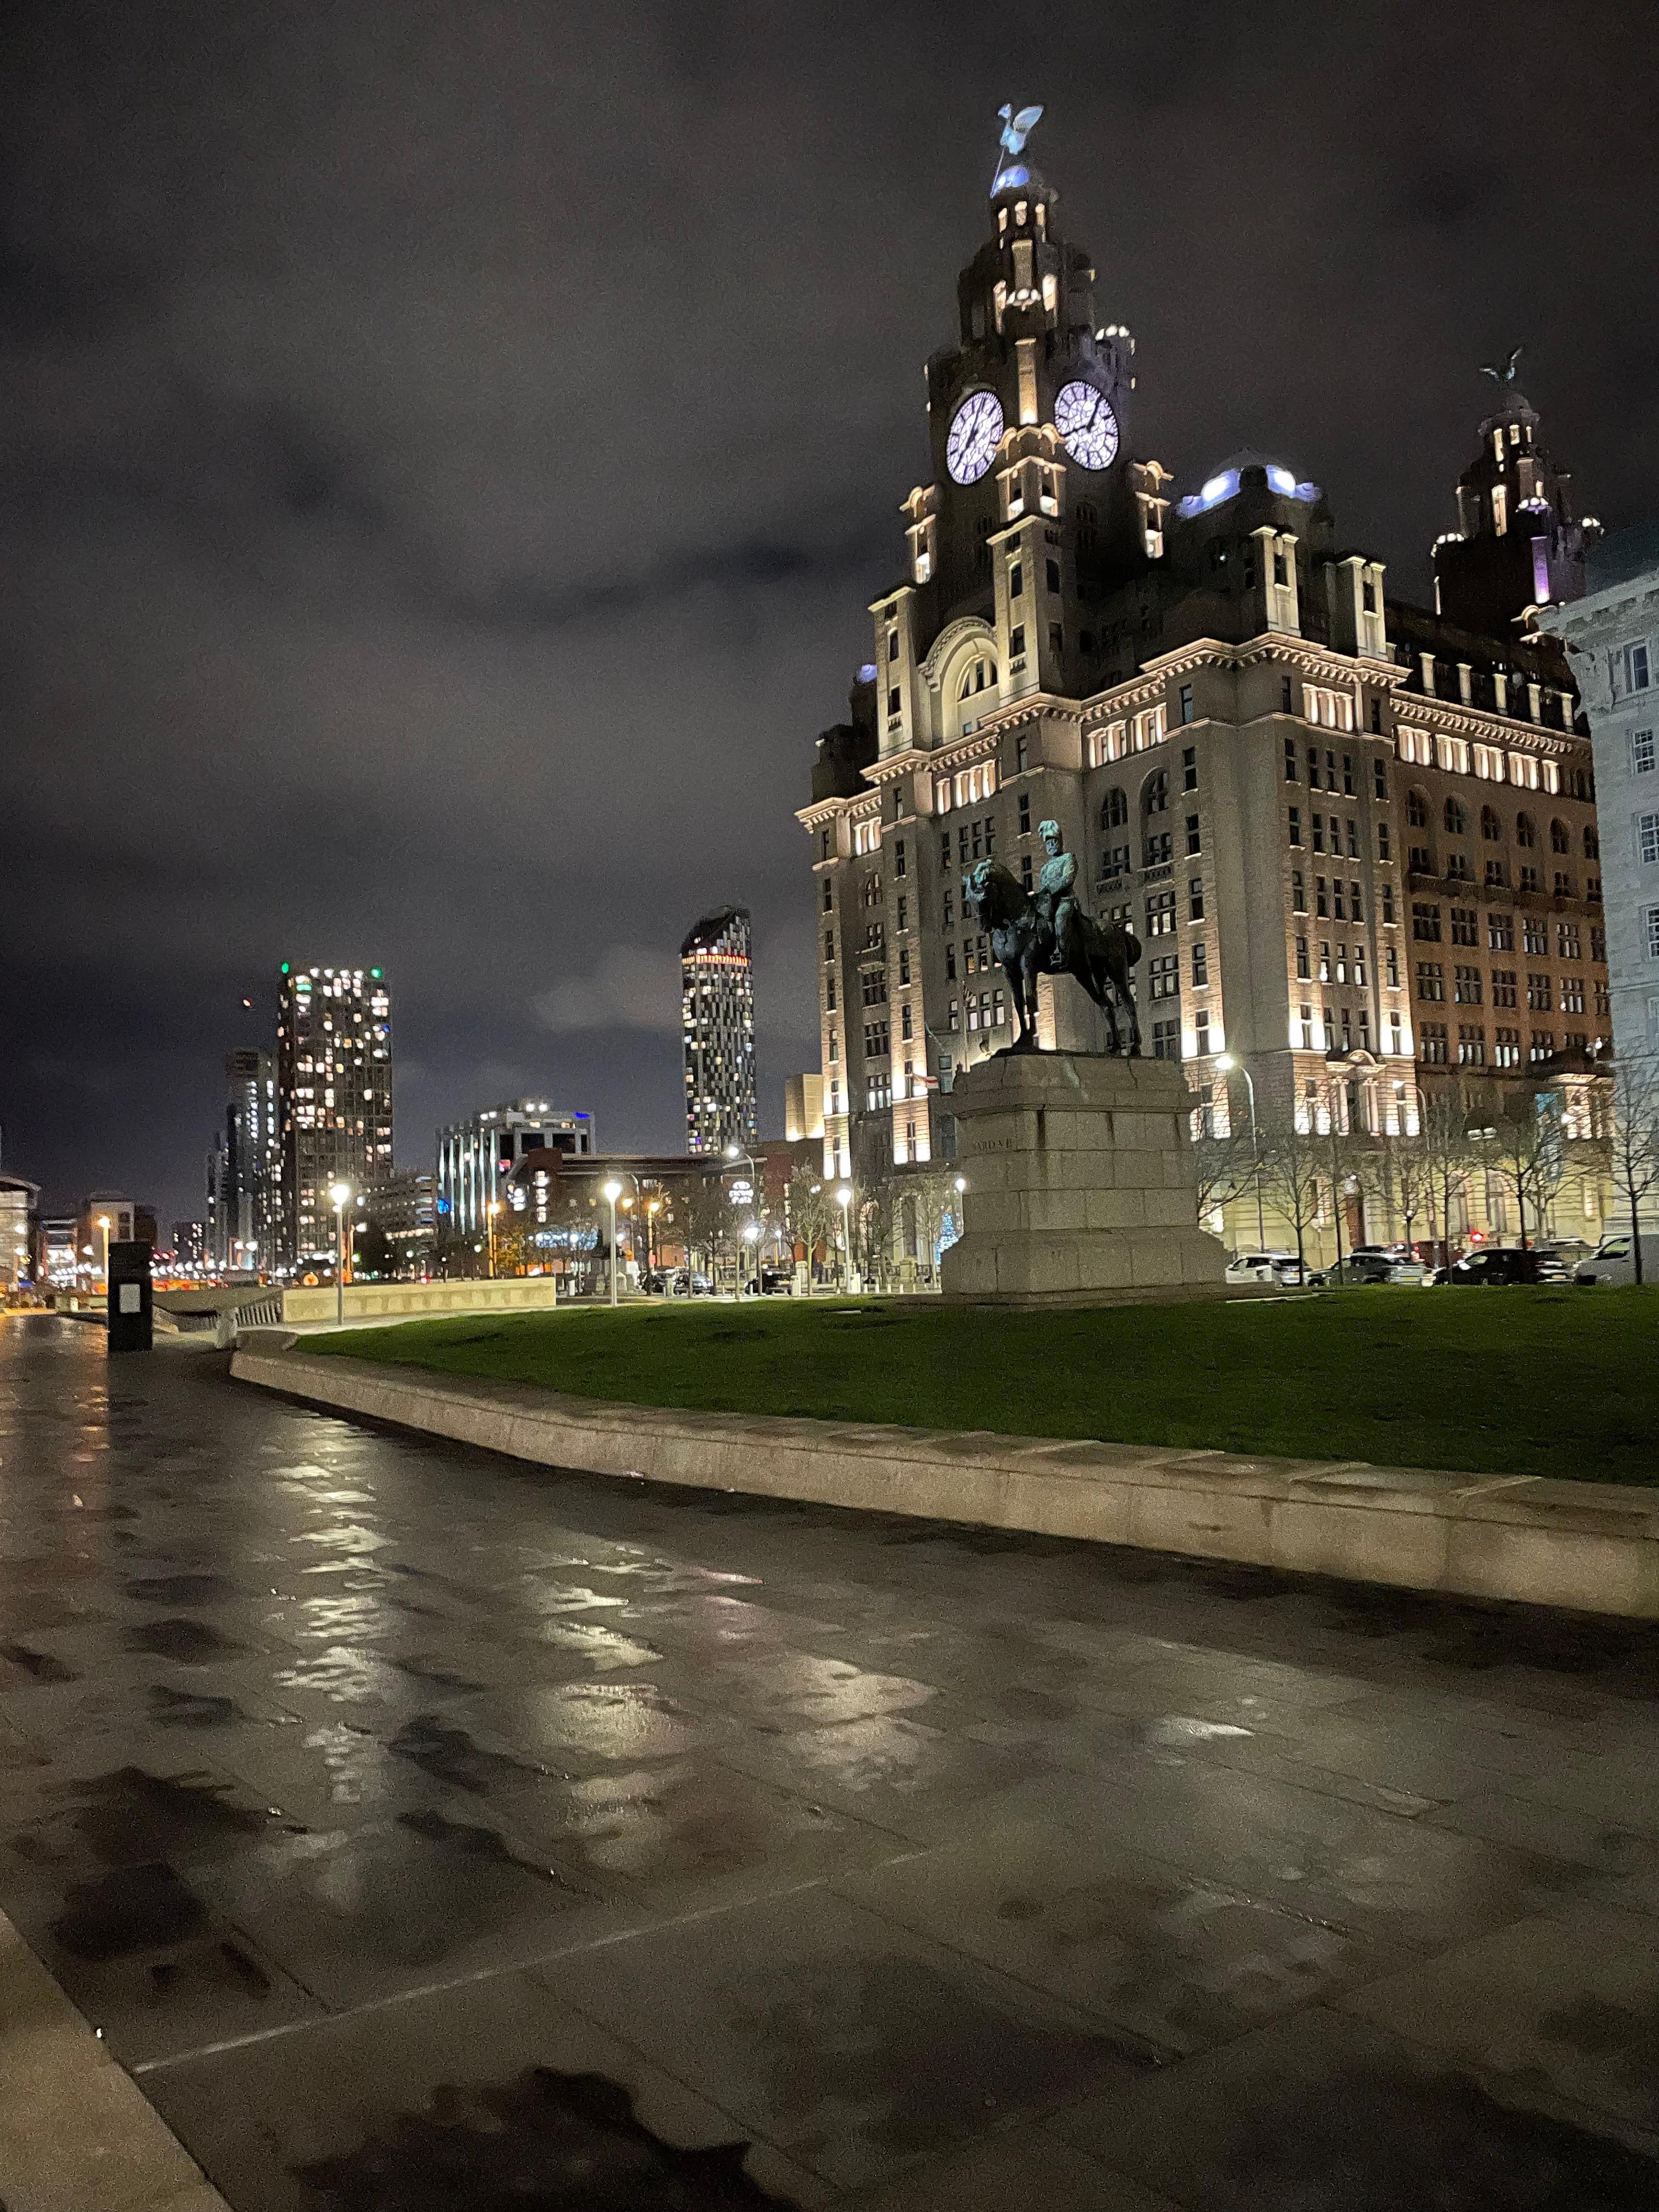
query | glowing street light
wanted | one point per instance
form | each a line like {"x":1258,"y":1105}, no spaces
{"x":612,"y":1192}
{"x":340,"y":1193}
{"x":491,"y":1210}
{"x":103,"y":1223}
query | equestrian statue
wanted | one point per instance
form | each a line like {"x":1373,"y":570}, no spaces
{"x":1049,"y":932}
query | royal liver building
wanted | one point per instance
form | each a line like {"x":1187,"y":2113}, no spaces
{"x":1356,"y":838}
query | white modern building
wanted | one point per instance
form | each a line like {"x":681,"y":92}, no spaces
{"x":478,"y":1157}
{"x":1613,"y":637}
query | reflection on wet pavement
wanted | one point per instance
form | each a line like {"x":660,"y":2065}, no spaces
{"x":469,"y":1832}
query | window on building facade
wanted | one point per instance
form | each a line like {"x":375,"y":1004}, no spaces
{"x":1016,"y":582}
{"x":1417,"y":809}
{"x":1294,"y":816}
{"x":1017,"y":640}
{"x":1467,"y":986}
{"x":1166,"y":1040}
{"x":1391,"y":963}
{"x":1025,"y":814}
{"x":904,"y":964}
{"x":1114,"y":808}
{"x":1642,"y":752}
{"x":828,"y":944}
{"x":1286,"y":696}
{"x":1592,"y":842}
{"x":1387,"y":901}
{"x":1299,"y":892}
{"x":1647,"y":838}
{"x":1465,"y":925}
{"x":1306,"y":1025}
{"x":1184,"y":709}
{"x":1159,"y":849}
{"x":829,"y":992}
{"x":1572,"y":995}
{"x":1503,"y":986}
{"x":1426,"y":922}
{"x":1599,"y":945}
{"x":1636,"y":667}
{"x":1160,"y":913}
{"x":1200,"y":966}
{"x":875,"y":1040}
{"x":1196,"y":898}
{"x":1457,"y":817}
{"x":1301,"y":964}
{"x":1189,"y":768}
{"x":1506,"y":1048}
{"x":1566,"y":941}
{"x":1543,"y":1045}
{"x":1431,"y":1042}
{"x":1194,"y":843}
{"x":872,"y":987}
{"x":1115,"y":863}
{"x":1540,"y":992}
{"x":1526,"y":832}
{"x":1155,"y":793}
{"x":1321,"y":897}
{"x":1290,"y":775}
{"x":1497,"y":876}
{"x":1431,"y":980}
{"x":1163,"y":970}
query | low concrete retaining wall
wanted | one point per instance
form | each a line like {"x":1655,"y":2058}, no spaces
{"x":404,"y":1301}
{"x":1591,"y":1546}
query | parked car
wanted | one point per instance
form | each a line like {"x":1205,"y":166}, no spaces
{"x":1571,"y":1251}
{"x":1501,"y":1265}
{"x":1613,"y":1261}
{"x":1276,"y":1268}
{"x":684,"y":1284}
{"x":1372,"y":1266}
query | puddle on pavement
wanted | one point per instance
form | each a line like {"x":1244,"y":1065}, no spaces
{"x":473,"y":1843}
{"x":190,"y":1643}
{"x":129,"y":1816}
{"x":170,"y":1708}
{"x":136,"y":1908}
{"x":449,"y":1754}
{"x":558,"y":2143}
{"x":39,"y":1666}
{"x":181,"y":1589}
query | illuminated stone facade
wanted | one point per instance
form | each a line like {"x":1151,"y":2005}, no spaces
{"x":1305,"y":798}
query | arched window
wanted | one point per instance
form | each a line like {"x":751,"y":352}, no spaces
{"x":1457,"y":821}
{"x":1491,"y":828}
{"x":1592,"y":843}
{"x":1114,"y":808}
{"x":1155,"y":793}
{"x":1417,"y":809}
{"x":1525,"y":832}
{"x":1559,"y":841}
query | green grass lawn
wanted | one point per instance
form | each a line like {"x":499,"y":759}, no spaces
{"x":1514,"y":1382}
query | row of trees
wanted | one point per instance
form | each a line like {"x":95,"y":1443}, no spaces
{"x":1305,"y":1173}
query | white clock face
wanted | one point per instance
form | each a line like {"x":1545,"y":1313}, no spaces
{"x":1087,"y":425}
{"x":971,"y":447}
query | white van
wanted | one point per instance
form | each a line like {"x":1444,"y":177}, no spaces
{"x":1615,"y":1262}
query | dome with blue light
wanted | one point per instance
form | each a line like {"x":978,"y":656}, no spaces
{"x":1223,"y":485}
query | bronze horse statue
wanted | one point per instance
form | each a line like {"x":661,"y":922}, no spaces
{"x":1102,"y":953}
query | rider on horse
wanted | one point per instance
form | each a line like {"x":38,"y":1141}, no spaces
{"x":1054,"y":901}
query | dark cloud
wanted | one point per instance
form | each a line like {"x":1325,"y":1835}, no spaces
{"x":445,"y":452}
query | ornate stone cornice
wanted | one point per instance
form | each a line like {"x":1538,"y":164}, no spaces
{"x":1417,"y":710}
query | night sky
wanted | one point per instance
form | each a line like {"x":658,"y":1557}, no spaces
{"x":446,"y":451}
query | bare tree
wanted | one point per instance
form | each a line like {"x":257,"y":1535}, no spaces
{"x":1448,"y":1149}
{"x":810,"y":1211}
{"x":1636,"y":1140}
{"x":1293,"y":1168}
{"x":1225,"y":1168}
{"x":1526,"y":1148}
{"x":1413,"y":1182}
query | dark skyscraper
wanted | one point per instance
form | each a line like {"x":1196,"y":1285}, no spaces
{"x":247,"y":1186}
{"x":718,"y":1029}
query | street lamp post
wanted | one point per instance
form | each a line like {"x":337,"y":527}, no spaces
{"x":612,"y":1193}
{"x":103,"y":1223}
{"x":491,"y":1211}
{"x":735,"y":1152}
{"x":751,"y":1238}
{"x":1226,"y":1063}
{"x":339,"y":1192}
{"x":844,"y":1200}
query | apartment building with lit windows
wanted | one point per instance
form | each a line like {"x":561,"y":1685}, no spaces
{"x":717,"y":1007}
{"x":1356,"y":838}
{"x":333,"y":1097}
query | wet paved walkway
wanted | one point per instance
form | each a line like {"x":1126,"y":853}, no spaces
{"x":429,"y":1832}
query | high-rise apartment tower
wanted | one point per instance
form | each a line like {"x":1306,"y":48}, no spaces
{"x":717,"y":991}
{"x":333,"y":1097}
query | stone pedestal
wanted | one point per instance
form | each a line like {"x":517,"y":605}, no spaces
{"x":1080,"y":1182}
